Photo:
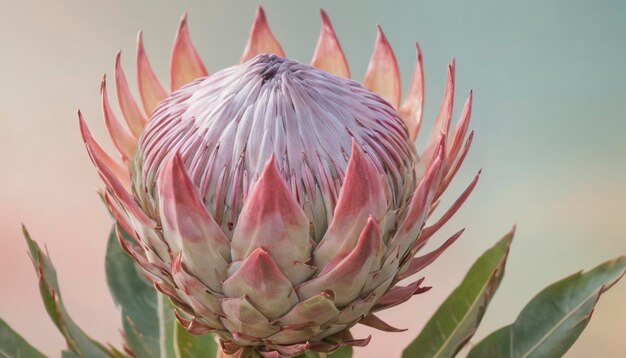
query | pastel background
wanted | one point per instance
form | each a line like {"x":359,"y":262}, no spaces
{"x":550,"y":94}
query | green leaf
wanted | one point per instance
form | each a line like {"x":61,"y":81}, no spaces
{"x":552,"y":321}
{"x":77,"y":341}
{"x":189,"y":346}
{"x":135,"y":298}
{"x":457,"y":319}
{"x":14,"y":346}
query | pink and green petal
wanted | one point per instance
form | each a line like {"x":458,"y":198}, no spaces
{"x":206,"y":315}
{"x":294,"y":335}
{"x":360,"y":307}
{"x":273,"y":220}
{"x":262,"y":281}
{"x":242,"y":317}
{"x":153,"y":273}
{"x":346,"y":275}
{"x":362,"y":195}
{"x":157,"y":249}
{"x":388,"y":269}
{"x":193,"y":326}
{"x":192,"y":286}
{"x":340,"y":338}
{"x":316,"y":310}
{"x":279,"y":350}
{"x":188,"y":226}
{"x":228,"y":347}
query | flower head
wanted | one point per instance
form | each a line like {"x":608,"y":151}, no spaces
{"x":279,"y":204}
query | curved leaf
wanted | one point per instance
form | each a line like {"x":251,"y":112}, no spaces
{"x":552,"y":321}
{"x":190,"y":346}
{"x":77,"y":341}
{"x":13,"y":345}
{"x":135,"y":298}
{"x":457,"y":319}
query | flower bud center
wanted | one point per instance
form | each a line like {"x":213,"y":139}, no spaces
{"x":226,"y":126}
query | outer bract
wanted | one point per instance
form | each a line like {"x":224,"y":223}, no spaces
{"x":279,"y":204}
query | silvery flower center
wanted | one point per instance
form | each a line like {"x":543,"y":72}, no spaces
{"x":226,"y":126}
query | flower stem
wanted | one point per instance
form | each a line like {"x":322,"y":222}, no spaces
{"x":166,"y":326}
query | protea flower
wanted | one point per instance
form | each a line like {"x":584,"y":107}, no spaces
{"x":278,"y":204}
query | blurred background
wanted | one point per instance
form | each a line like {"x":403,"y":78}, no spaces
{"x":549,"y":80}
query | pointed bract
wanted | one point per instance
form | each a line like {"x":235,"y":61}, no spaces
{"x":125,"y":143}
{"x":185,"y":63}
{"x":100,"y":158}
{"x":188,"y":227}
{"x":454,"y":167}
{"x":461,"y":128}
{"x":150,"y":89}
{"x":362,"y":195}
{"x":110,"y":179}
{"x":261,"y":280}
{"x":419,"y":207}
{"x":261,"y":39}
{"x":195,"y":293}
{"x":316,"y":310}
{"x":412,"y":108}
{"x":375,"y":322}
{"x":430,"y":230}
{"x":273,"y":220}
{"x":346,"y":275}
{"x":400,"y":294}
{"x":442,"y":121}
{"x":383,"y":74}
{"x":135,"y":119}
{"x":328,"y":55}
{"x":120,"y":215}
{"x":418,"y":263}
{"x":242,"y":317}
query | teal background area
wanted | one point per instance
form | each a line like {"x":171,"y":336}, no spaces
{"x":549,"y":81}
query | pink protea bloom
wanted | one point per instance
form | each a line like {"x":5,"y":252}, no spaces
{"x":279,"y":204}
